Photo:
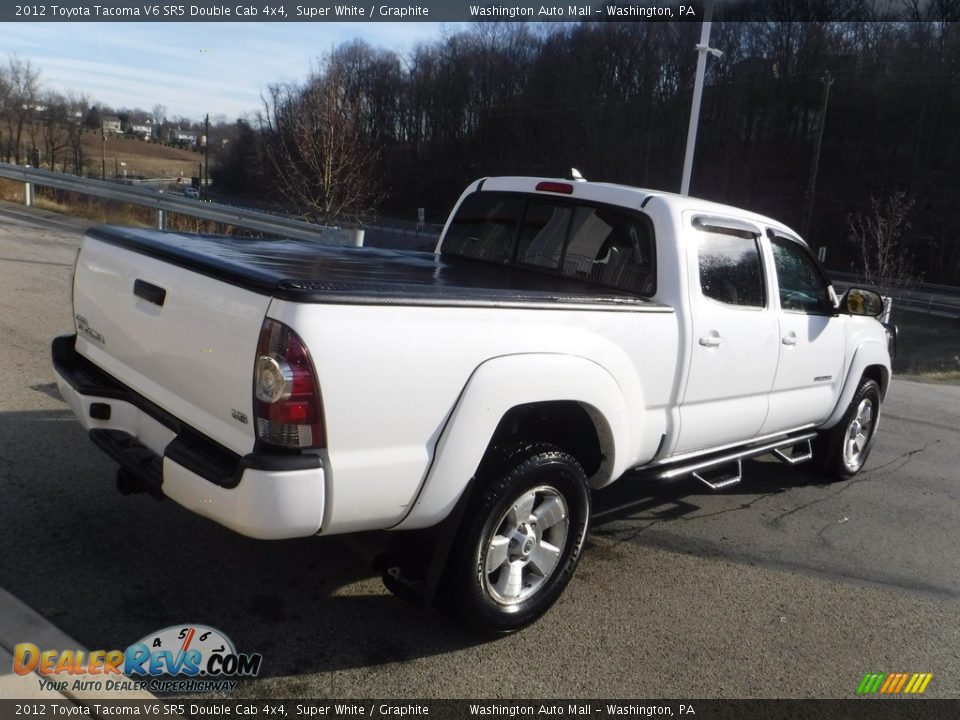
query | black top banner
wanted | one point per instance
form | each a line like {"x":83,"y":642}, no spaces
{"x":352,"y":11}
{"x":444,"y":11}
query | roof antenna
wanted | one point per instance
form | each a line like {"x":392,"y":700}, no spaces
{"x":576,"y":176}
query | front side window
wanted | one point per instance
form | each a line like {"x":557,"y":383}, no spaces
{"x":606,"y":245}
{"x":730,"y":269}
{"x":802,"y":286}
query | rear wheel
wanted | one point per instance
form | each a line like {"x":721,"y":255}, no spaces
{"x":843,"y":449}
{"x":521,"y":538}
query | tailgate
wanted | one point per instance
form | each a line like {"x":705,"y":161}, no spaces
{"x":184,"y":340}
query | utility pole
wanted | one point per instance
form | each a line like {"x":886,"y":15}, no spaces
{"x":206,"y":154}
{"x":103,"y":151}
{"x":827,"y":81}
{"x":702,"y":49}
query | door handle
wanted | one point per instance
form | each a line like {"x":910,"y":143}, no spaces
{"x":149,"y":292}
{"x":789,"y":339}
{"x":712,"y":339}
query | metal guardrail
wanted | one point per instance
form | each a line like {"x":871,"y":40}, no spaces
{"x":164,"y":203}
{"x":924,"y":300}
{"x":854,"y":278}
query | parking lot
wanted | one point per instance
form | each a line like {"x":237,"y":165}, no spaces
{"x":782,"y":586}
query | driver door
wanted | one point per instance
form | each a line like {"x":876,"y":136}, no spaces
{"x":811,"y":339}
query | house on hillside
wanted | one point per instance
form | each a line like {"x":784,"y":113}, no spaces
{"x":110,"y":124}
{"x":141,"y":127}
{"x":181,"y":137}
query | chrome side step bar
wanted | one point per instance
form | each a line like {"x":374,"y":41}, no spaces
{"x":801,"y":452}
{"x":717,"y":478}
{"x":712,"y":472}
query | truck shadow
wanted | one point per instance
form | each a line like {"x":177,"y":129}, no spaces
{"x":640,"y":495}
{"x":110,"y":570}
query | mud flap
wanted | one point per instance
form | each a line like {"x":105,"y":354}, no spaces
{"x":413,"y":563}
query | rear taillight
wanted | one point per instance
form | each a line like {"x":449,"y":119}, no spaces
{"x":286,"y":395}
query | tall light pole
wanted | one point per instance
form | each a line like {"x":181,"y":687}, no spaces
{"x":702,"y":49}
{"x":827,"y":81}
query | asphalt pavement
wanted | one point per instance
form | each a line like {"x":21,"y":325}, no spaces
{"x":783,"y":586}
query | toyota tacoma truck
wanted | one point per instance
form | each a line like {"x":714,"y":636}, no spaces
{"x":562,"y":334}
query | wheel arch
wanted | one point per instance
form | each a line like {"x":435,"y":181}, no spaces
{"x":565,"y":400}
{"x":872,"y":360}
{"x":879,"y":374}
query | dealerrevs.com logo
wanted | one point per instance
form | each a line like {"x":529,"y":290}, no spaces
{"x":180,"y":658}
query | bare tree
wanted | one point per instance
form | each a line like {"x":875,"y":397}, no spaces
{"x":77,"y":109}
{"x":5,"y":93}
{"x":879,"y":237}
{"x":23,"y":82}
{"x":55,"y":119}
{"x":322,"y":160}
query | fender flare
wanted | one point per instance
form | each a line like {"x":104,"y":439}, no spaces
{"x":495,"y":387}
{"x":867,"y":354}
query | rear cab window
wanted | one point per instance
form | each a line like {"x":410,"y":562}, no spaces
{"x":730,"y":262}
{"x":606,"y":245}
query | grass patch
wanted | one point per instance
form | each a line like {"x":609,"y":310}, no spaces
{"x":929,"y":347}
{"x":11,"y":190}
{"x":951,"y":377}
{"x":102,"y":212}
{"x":111,"y":212}
{"x":142,"y":159}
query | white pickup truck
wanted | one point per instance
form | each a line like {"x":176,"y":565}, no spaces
{"x":562,"y":334}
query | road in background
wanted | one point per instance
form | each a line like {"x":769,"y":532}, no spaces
{"x":783,"y":586}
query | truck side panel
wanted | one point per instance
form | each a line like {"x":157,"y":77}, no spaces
{"x":384,"y":420}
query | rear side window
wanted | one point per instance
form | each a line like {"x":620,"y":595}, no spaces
{"x":606,"y":245}
{"x":730,"y":269}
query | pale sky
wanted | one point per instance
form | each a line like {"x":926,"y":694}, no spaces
{"x":191,"y":68}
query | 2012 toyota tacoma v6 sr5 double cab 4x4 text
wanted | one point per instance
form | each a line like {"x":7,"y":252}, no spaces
{"x":562,"y":334}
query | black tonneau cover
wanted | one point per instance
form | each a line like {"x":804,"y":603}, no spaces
{"x":308,"y":271}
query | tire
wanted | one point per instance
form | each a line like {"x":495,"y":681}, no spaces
{"x":520,"y":540}
{"x":843,"y":449}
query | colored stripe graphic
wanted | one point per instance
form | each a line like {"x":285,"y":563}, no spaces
{"x":890,"y":682}
{"x":894,"y":683}
{"x":870,"y":683}
{"x":897,"y":683}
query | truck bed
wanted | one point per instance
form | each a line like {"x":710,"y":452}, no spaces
{"x":305,"y":271}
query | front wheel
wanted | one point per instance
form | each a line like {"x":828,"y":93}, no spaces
{"x":521,"y":538}
{"x":844,"y":448}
